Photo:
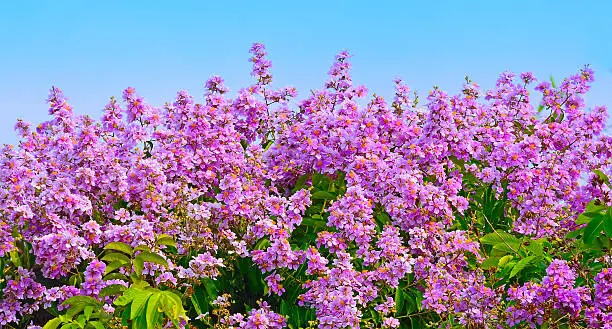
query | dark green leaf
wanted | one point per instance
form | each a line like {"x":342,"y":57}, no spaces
{"x":316,"y":224}
{"x":608,"y":223}
{"x":507,"y":249}
{"x":593,"y":229}
{"x":323,"y":195}
{"x":399,"y":301}
{"x":300,"y":183}
{"x":320,"y":181}
{"x":75,"y":279}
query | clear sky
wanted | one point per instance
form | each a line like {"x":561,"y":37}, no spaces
{"x":94,"y":49}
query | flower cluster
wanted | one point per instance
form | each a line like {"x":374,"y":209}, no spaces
{"x":600,"y":313}
{"x":92,"y":283}
{"x":341,"y":203}
{"x":535,"y":301}
{"x":22,"y":295}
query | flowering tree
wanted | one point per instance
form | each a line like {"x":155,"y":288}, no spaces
{"x":478,"y":210}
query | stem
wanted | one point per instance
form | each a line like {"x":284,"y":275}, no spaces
{"x":499,"y":235}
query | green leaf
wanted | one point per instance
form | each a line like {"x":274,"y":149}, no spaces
{"x":152,"y":258}
{"x":605,"y":242}
{"x":382,"y":218}
{"x":284,"y":308}
{"x":490,"y":263}
{"x":142,"y":247}
{"x":116,"y":276}
{"x":535,"y":247}
{"x":196,"y":304}
{"x":97,"y":324}
{"x":323,"y":195}
{"x":602,"y":176}
{"x":53,"y":323}
{"x":111,"y":290}
{"x":139,"y":302}
{"x":81,"y":321}
{"x":140,"y":322}
{"x":78,"y":303}
{"x":254,"y":282}
{"x":608,"y":223}
{"x":113,"y":266}
{"x":81,"y":300}
{"x":115,"y":256}
{"x":594,"y":206}
{"x":586,"y":217}
{"x":504,"y":260}
{"x":500,"y":236}
{"x":593,"y":229}
{"x":138,"y":265}
{"x":176,"y":305}
{"x":210,"y":286}
{"x":262,"y":244}
{"x":75,"y":279}
{"x":505,"y":248}
{"x":127,"y":297}
{"x":119,"y":246}
{"x":574,"y":234}
{"x":314,"y":223}
{"x":152,"y":313}
{"x":125,"y":316}
{"x":320,"y":181}
{"x":166,"y":240}
{"x":399,"y":301}
{"x":88,"y":311}
{"x":300,"y":183}
{"x":521,"y":265}
{"x":15,"y":257}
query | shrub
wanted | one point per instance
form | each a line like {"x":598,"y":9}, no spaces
{"x":477,"y":210}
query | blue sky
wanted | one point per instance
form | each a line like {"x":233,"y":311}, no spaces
{"x":93,"y":50}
